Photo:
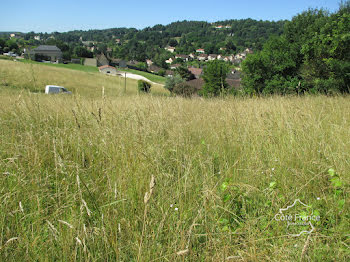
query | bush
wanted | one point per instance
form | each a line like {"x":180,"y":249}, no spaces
{"x":144,"y":86}
{"x":162,"y":72}
{"x":182,"y":89}
{"x":171,"y":82}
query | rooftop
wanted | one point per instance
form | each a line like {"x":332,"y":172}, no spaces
{"x":47,"y":48}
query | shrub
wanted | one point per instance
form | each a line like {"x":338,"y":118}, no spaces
{"x":144,"y":86}
{"x":185,"y":90}
{"x":171,"y":82}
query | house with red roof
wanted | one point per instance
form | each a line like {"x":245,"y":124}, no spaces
{"x":108,"y":70}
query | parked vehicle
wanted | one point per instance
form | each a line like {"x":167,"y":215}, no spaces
{"x":51,"y":89}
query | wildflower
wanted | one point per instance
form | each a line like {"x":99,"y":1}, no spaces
{"x":273,"y":169}
{"x":176,"y":209}
{"x":318,"y":198}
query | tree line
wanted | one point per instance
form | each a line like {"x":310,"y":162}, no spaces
{"x":312,"y":55}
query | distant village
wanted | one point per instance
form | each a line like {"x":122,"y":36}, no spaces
{"x":109,"y":65}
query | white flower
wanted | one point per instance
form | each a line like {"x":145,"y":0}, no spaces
{"x":273,"y":169}
{"x":176,"y":209}
{"x":171,"y":205}
{"x":318,"y":198}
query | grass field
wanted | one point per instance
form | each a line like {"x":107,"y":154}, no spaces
{"x":76,"y":173}
{"x":91,"y":69}
{"x":34,"y":76}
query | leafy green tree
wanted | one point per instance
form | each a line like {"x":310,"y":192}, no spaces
{"x":215,"y":78}
{"x":2,"y":42}
{"x":230,"y":46}
{"x":12,"y":45}
{"x":312,"y":55}
{"x":80,"y":51}
{"x":173,"y":42}
{"x":185,"y":73}
{"x":171,"y":82}
{"x":327,"y":56}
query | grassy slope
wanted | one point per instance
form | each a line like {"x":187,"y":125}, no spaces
{"x":74,"y":172}
{"x":34,"y":77}
{"x":152,"y":77}
{"x":91,"y":69}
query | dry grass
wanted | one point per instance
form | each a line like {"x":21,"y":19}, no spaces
{"x":72,"y":185}
{"x":34,"y":77}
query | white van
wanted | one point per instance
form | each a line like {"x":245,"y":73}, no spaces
{"x":51,"y":89}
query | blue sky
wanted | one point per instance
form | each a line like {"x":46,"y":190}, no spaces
{"x":66,"y":15}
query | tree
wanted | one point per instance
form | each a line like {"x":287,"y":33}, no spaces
{"x":173,"y":42}
{"x":312,"y":55}
{"x":144,"y":86}
{"x":80,"y":51}
{"x":171,"y":82}
{"x":185,"y":73}
{"x":215,"y":78}
{"x":230,"y":46}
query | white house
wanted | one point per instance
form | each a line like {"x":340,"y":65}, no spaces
{"x":170,"y":49}
{"x":200,"y":50}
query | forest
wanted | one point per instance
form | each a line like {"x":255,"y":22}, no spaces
{"x":149,"y":43}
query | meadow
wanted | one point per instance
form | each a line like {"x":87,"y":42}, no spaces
{"x":123,"y":176}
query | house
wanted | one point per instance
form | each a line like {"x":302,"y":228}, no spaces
{"x":234,"y":74}
{"x":240,"y":56}
{"x":170,"y":60}
{"x":197,"y":72}
{"x":87,"y":43}
{"x":169,"y":73}
{"x":133,"y":63}
{"x":102,"y":60}
{"x":108,"y":70}
{"x":90,"y":62}
{"x":183,"y":57}
{"x":174,"y":66}
{"x":149,"y":62}
{"x":228,"y":26}
{"x":154,"y":68}
{"x":117,"y":41}
{"x":92,"y":48}
{"x":196,"y":85}
{"x":37,"y":37}
{"x":212,"y":57}
{"x":226,"y":58}
{"x":203,"y":57}
{"x":193,"y":56}
{"x":248,"y":51}
{"x":170,"y":49}
{"x":46,"y":52}
{"x":200,"y":50}
{"x":218,"y":27}
{"x":231,"y":58}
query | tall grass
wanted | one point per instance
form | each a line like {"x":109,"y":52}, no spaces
{"x":34,"y":76}
{"x":74,"y":173}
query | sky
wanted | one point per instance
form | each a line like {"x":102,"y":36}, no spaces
{"x":66,"y":15}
